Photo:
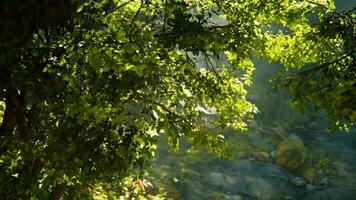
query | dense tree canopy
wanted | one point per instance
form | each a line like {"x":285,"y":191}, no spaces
{"x":87,"y":86}
{"x":329,"y":80}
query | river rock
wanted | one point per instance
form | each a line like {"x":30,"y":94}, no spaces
{"x":215,"y":179}
{"x":216,"y":196}
{"x":310,"y":187}
{"x":291,"y":153}
{"x":324,"y":181}
{"x":311,"y":175}
{"x":298,"y":181}
{"x":261,"y":156}
{"x":232,"y":197}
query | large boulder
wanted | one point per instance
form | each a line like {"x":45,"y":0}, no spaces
{"x":291,"y":153}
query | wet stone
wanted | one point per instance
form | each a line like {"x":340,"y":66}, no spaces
{"x":291,"y":153}
{"x":298,"y":181}
{"x":324,"y":181}
{"x":310,"y":187}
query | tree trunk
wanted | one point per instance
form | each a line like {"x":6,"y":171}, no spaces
{"x":57,"y":191}
{"x":10,"y":114}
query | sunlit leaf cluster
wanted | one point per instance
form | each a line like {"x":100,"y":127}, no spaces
{"x":324,"y":52}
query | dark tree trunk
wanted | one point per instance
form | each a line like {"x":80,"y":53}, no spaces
{"x":10,"y":115}
{"x":57,"y":191}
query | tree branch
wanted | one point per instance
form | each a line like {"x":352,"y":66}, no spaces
{"x":136,"y":14}
{"x":208,"y":61}
{"x":321,"y":66}
{"x":165,"y":108}
{"x":124,"y":4}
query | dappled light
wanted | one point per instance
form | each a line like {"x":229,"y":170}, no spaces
{"x":177,"y":99}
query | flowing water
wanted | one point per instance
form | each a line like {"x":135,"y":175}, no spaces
{"x":331,"y":158}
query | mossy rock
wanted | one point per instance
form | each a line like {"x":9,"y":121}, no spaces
{"x":291,"y":153}
{"x":260,"y":155}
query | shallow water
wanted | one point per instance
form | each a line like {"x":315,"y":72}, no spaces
{"x":202,"y":176}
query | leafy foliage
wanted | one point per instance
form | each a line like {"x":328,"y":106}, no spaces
{"x":88,"y":86}
{"x":328,"y":81}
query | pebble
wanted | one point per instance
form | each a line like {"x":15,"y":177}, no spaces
{"x":328,"y":171}
{"x":298,"y":181}
{"x":261,"y":156}
{"x":243,"y":154}
{"x":311,"y":187}
{"x":319,"y":187}
{"x":324,"y":181}
{"x":252,"y":159}
{"x":233,"y":197}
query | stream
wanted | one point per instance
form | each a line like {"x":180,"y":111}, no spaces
{"x":328,"y":174}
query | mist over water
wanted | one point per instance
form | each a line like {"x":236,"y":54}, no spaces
{"x":259,"y":167}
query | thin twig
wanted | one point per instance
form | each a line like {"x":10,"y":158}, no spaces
{"x":349,"y":11}
{"x":227,"y":26}
{"x":322,"y":65}
{"x":208,"y":61}
{"x":124,"y":4}
{"x":136,"y":14}
{"x":189,"y":59}
{"x":321,"y":5}
{"x":165,"y":108}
